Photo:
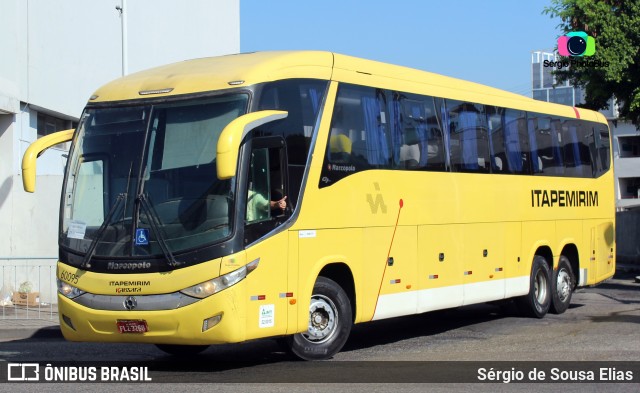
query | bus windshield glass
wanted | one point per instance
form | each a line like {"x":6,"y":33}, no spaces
{"x":141,"y":180}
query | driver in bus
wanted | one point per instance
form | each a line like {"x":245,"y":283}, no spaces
{"x":258,"y":206}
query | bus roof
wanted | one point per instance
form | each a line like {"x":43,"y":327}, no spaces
{"x":239,"y":70}
{"x":216,"y":73}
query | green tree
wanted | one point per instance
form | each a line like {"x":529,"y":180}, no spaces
{"x":615,"y":26}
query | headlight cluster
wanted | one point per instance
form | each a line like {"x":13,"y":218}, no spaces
{"x":216,"y":285}
{"x":68,"y":290}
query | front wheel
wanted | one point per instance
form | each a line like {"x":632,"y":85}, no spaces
{"x":562,"y":286}
{"x":537,"y":302}
{"x":330,"y":321}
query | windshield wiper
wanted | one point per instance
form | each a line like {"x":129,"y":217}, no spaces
{"x":152,"y":215}
{"x":94,"y":243}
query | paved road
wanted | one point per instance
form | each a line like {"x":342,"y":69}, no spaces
{"x":601,"y":325}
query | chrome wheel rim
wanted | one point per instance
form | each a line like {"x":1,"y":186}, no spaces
{"x":323,"y":319}
{"x":563,"y":285}
{"x":540,"y":286}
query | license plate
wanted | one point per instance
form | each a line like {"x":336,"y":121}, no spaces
{"x":132,"y":326}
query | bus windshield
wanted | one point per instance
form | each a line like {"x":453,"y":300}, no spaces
{"x":141,"y":180}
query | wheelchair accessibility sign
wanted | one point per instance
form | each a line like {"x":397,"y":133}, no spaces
{"x":142,"y":237}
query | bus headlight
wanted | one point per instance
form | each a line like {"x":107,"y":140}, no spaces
{"x":68,"y":290}
{"x":216,"y":285}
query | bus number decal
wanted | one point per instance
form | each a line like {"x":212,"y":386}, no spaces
{"x":69,"y":277}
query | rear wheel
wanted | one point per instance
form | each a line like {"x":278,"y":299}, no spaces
{"x":330,"y":321}
{"x":537,"y":302}
{"x":181,"y":350}
{"x":562,"y":286}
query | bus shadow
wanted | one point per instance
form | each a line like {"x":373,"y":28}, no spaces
{"x":398,"y":329}
{"x":366,"y":335}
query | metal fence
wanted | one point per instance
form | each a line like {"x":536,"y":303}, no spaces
{"x":28,"y":288}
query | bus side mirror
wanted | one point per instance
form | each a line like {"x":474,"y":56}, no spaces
{"x":35,"y":150}
{"x":232,"y":135}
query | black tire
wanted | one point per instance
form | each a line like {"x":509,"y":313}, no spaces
{"x":536,"y":303}
{"x":330,"y":321}
{"x":181,"y":350}
{"x":562,"y":286}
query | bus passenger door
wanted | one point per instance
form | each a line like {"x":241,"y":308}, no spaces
{"x":266,"y":286}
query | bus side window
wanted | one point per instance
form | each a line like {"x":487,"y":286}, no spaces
{"x":468,"y":137}
{"x":540,"y":130}
{"x":258,"y":190}
{"x":375,"y":138}
{"x":548,"y":139}
{"x":601,"y":153}
{"x":589,"y":133}
{"x":515,"y":141}
{"x":496,"y":139}
{"x":409,"y":132}
{"x":417,"y":138}
{"x":266,"y":185}
{"x":302,"y":99}
{"x":576,"y":152}
{"x":536,"y":161}
{"x":360,"y":138}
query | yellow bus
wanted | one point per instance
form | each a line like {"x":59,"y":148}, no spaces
{"x":294,"y":194}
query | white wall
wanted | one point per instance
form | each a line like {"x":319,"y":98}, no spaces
{"x":57,"y":52}
{"x":54,"y":55}
{"x":9,"y":46}
{"x":624,"y":167}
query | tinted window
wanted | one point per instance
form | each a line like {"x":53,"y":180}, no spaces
{"x":417,"y":138}
{"x":301,"y":98}
{"x":515,"y":139}
{"x":496,"y":139}
{"x":548,"y":143}
{"x":372,"y":128}
{"x":576,"y":149}
{"x":360,"y":138}
{"x":600,"y":149}
{"x":469,"y":147}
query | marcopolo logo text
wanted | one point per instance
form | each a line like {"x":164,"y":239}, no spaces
{"x":128,"y":265}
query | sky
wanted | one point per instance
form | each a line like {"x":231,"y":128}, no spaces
{"x":488,"y":42}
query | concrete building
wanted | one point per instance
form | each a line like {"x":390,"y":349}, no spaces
{"x":626,"y":139}
{"x":55,"y":54}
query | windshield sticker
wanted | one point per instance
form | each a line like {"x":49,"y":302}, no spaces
{"x":77,"y":229}
{"x":142,"y":236}
{"x":267,"y":316}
